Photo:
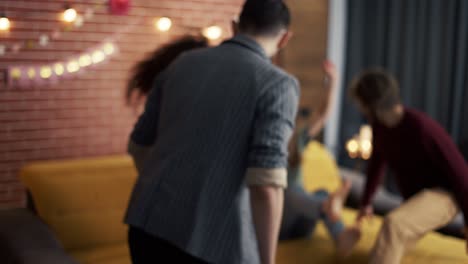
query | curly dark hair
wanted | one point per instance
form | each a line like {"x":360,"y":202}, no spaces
{"x":156,"y":62}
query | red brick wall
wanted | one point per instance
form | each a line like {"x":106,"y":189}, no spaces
{"x":85,"y":115}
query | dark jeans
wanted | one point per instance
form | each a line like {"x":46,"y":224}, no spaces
{"x":147,"y":249}
{"x":302,"y":211}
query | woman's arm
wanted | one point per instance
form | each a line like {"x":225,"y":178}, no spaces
{"x":321,"y":114}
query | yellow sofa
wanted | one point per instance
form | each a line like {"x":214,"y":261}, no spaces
{"x":83,"y":203}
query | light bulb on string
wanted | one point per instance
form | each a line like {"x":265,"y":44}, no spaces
{"x":213,"y":32}
{"x":69,"y":15}
{"x":31,"y":73}
{"x":59,"y":69}
{"x":98,"y":56}
{"x":85,"y":60}
{"x":4,"y":23}
{"x":108,"y":48}
{"x":163,"y":24}
{"x":45,"y":72}
{"x":15,"y":73}
{"x":73,"y":66}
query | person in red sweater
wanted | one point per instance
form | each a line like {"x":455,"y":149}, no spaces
{"x":430,"y":171}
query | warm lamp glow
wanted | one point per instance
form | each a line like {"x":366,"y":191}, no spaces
{"x":46,"y":72}
{"x":163,"y":24}
{"x":365,"y":133}
{"x":366,"y":145}
{"x":4,"y":23}
{"x":352,"y":146}
{"x":69,"y":15}
{"x":213,"y":32}
{"x":361,"y":145}
{"x":366,"y":155}
{"x":59,"y":69}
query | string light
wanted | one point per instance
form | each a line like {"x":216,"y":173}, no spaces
{"x":98,"y":56}
{"x":4,"y":23}
{"x":213,"y":32}
{"x":163,"y":24}
{"x":31,"y":73}
{"x":15,"y":73}
{"x":69,"y":15}
{"x":108,"y":48}
{"x":85,"y":60}
{"x":73,"y":66}
{"x":46,"y":72}
{"x":59,"y":69}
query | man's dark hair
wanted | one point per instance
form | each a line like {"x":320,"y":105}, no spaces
{"x":264,"y":17}
{"x":376,"y":89}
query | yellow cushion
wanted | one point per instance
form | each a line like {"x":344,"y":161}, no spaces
{"x":433,"y":248}
{"x":83,"y":201}
{"x":110,"y":254}
{"x":319,"y":168}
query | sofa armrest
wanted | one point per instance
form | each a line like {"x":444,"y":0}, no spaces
{"x":24,"y":239}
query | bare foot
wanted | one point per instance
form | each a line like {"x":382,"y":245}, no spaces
{"x":333,"y":207}
{"x":347,"y":240}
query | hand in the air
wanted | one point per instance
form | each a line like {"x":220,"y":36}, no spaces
{"x":331,"y":73}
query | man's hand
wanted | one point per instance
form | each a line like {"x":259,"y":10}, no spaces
{"x":365,"y":213}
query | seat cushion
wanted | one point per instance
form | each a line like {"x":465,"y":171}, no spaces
{"x":83,"y":201}
{"x":319,"y":168}
{"x":110,"y":254}
{"x":433,"y":248}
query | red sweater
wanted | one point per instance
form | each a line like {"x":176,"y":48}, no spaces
{"x":422,"y":155}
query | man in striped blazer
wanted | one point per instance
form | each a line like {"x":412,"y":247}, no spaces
{"x":212,"y":144}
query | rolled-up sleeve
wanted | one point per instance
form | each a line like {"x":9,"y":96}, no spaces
{"x":274,"y":123}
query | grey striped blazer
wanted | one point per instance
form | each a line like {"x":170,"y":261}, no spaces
{"x":214,"y":117}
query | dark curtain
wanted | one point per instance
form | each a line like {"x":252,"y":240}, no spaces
{"x":425,"y":44}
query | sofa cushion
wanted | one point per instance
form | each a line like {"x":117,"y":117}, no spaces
{"x":83,"y":201}
{"x":319,"y":168}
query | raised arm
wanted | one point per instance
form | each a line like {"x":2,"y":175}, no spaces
{"x":322,"y":112}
